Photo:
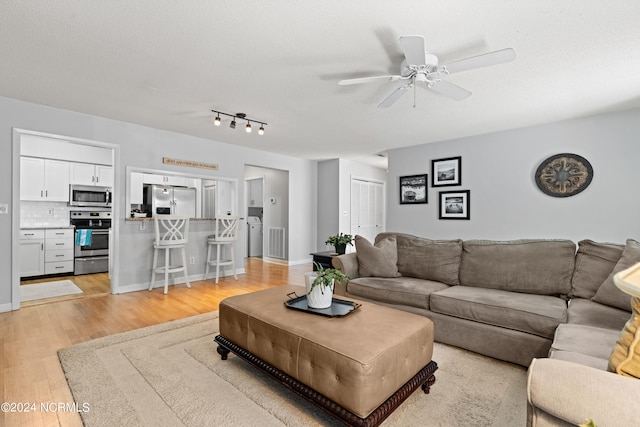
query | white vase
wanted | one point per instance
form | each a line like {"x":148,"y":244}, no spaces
{"x":320,"y":296}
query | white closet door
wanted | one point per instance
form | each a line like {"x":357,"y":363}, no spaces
{"x":367,"y":208}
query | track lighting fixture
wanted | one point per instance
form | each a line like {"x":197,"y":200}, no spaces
{"x":242,"y":116}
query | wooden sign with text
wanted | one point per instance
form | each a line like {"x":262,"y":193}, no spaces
{"x":189,"y":163}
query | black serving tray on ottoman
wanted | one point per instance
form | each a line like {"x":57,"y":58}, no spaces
{"x":339,"y":307}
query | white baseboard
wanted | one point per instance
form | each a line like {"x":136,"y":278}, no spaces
{"x":6,"y":307}
{"x":301,"y":261}
{"x":135,"y":287}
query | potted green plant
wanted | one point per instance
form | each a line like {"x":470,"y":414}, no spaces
{"x":320,"y":285}
{"x":340,"y":242}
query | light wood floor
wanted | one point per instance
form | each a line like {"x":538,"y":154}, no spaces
{"x":91,"y":284}
{"x":30,"y":337}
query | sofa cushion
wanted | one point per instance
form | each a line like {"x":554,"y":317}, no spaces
{"x":588,"y":340}
{"x":594,"y":263}
{"x":379,"y":260}
{"x":586,"y":312}
{"x":579,"y":358}
{"x":534,"y":314}
{"x":540,"y":267}
{"x":437,"y":260}
{"x":608,"y":293}
{"x":406,"y":291}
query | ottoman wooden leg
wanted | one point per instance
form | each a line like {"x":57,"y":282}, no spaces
{"x":223,"y":352}
{"x":426,"y":387}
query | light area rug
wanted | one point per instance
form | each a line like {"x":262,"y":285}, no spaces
{"x":48,"y":290}
{"x":171,"y":375}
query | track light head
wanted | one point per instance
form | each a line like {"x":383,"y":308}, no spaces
{"x":261,"y":130}
{"x":233,"y":123}
{"x":248,"y":127}
{"x":217,"y":120}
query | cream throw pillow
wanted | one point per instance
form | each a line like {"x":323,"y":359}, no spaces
{"x":625,"y":357}
{"x":379,"y":260}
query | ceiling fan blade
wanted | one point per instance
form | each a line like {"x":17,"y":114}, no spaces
{"x":413,"y":47}
{"x":395,"y":95}
{"x":484,"y":60}
{"x":450,"y":90}
{"x":367,"y":80}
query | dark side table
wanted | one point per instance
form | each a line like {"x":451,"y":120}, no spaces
{"x":322,"y":258}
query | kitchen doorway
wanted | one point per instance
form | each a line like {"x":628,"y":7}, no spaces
{"x":45,"y":243}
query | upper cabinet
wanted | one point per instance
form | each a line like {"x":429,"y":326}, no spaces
{"x":44,"y":179}
{"x":178,"y":181}
{"x":90,"y":174}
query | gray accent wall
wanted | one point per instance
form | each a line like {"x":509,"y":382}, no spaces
{"x":506,"y":204}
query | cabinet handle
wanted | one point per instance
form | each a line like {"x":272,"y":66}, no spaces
{"x":59,"y":244}
{"x":42,"y":246}
{"x":58,"y":267}
{"x":97,"y":179}
{"x":28,"y":234}
{"x":41,"y":193}
{"x":46,"y":193}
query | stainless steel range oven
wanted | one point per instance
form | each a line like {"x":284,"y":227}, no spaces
{"x":91,"y":250}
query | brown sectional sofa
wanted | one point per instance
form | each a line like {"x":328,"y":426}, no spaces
{"x":510,"y":300}
{"x":517,"y":301}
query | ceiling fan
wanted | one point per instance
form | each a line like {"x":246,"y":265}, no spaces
{"x":420,"y":67}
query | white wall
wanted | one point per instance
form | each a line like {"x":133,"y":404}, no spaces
{"x":499,"y":170}
{"x":145,"y":147}
{"x":334,"y":195}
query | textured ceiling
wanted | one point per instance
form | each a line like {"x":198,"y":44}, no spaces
{"x":166,"y":64}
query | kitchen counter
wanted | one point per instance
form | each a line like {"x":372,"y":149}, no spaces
{"x":151,"y":219}
{"x":48,"y":227}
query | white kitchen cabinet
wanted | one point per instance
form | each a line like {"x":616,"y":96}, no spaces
{"x":58,"y":250}
{"x":136,"y":195}
{"x":152,"y":178}
{"x":90,"y":174}
{"x":45,"y":252}
{"x":44,"y":179}
{"x":31,"y":253}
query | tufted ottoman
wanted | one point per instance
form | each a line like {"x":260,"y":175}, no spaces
{"x":359,"y":367}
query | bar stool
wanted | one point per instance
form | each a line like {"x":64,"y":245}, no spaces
{"x":172,"y":232}
{"x":226,"y":233}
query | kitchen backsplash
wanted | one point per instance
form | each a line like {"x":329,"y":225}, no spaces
{"x":44,"y":214}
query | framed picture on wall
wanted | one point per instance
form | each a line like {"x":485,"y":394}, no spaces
{"x":454,"y":204}
{"x":413,"y":189}
{"x":446,"y":172}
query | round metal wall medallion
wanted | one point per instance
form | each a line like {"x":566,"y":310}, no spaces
{"x":564,"y":175}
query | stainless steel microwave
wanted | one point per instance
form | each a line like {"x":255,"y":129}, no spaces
{"x":89,"y":195}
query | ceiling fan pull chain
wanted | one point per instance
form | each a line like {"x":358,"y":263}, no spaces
{"x":414,"y":96}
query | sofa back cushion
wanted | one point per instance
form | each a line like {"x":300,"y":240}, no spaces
{"x":541,"y":267}
{"x":379,"y":260}
{"x":594,"y":262}
{"x":608,"y":293}
{"x":437,"y":260}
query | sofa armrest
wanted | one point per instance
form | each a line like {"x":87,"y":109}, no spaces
{"x":348,"y":264}
{"x":572,"y":393}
